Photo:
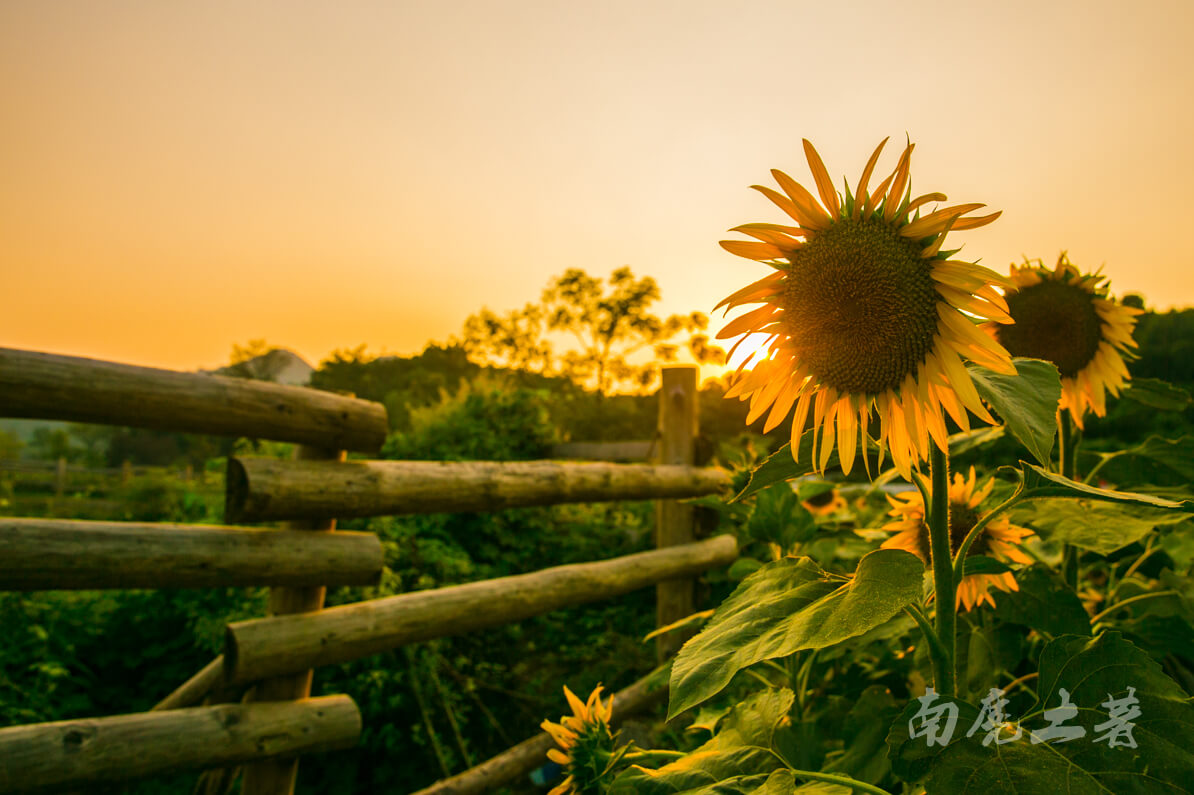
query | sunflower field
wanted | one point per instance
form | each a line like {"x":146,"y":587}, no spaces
{"x":952,"y":579}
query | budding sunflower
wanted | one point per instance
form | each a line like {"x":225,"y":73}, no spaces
{"x":865,"y":313}
{"x":586,"y":745}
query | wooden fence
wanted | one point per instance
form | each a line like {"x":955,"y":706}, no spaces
{"x":277,"y":653}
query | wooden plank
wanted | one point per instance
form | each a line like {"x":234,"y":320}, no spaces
{"x":278,"y":776}
{"x":53,"y":387}
{"x":51,"y":757}
{"x":605,"y":451}
{"x":261,"y":489}
{"x":673,"y":520}
{"x":57,"y":554}
{"x":264,"y":647}
{"x":520,"y":760}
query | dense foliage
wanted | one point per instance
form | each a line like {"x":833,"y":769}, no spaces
{"x":823,"y":698}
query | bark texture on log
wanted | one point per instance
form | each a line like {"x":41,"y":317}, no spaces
{"x":526,"y":756}
{"x":264,"y":647}
{"x":261,"y":489}
{"x":48,"y":554}
{"x":51,"y":757}
{"x":52,"y":387}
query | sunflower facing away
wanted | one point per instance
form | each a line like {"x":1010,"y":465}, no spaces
{"x":586,"y":744}
{"x":999,"y":539}
{"x":865,"y":311}
{"x":1066,"y":317}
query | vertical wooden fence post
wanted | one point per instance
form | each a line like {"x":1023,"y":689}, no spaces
{"x":60,"y":478}
{"x":678,"y":427}
{"x":277,"y":777}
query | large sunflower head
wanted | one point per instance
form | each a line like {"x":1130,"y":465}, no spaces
{"x":585,"y":743}
{"x":865,"y":312}
{"x":1066,"y":317}
{"x":1000,"y":539}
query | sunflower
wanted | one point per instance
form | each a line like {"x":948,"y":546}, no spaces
{"x":865,"y":312}
{"x":586,"y":744}
{"x":999,"y":539}
{"x":825,"y":503}
{"x":1066,"y":317}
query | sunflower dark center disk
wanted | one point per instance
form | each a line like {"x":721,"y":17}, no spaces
{"x":822,"y":499}
{"x":961,"y":519}
{"x":860,"y":307}
{"x":1056,"y":322}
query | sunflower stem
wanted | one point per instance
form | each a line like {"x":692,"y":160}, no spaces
{"x":842,"y":781}
{"x":937,"y":655}
{"x":1066,"y":458}
{"x":979,"y":526}
{"x":1131,"y":600}
{"x":944,"y":586}
{"x":651,"y":754}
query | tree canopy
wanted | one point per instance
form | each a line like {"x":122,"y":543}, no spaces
{"x":607,"y":323}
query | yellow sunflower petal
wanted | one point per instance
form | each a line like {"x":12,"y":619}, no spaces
{"x":824,"y":182}
{"x":863,"y":181}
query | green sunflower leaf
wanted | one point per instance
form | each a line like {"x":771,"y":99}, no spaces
{"x":865,"y":733}
{"x":966,"y":767}
{"x":964,"y":442}
{"x":1101,"y":520}
{"x":1043,"y":602}
{"x":1173,"y":457}
{"x":1039,"y":483}
{"x":789,"y":605}
{"x":1027,"y":402}
{"x":1101,"y":527}
{"x":780,"y":466}
{"x":981,"y":564}
{"x":737,"y":759}
{"x":1093,"y":672}
{"x":1157,"y":394}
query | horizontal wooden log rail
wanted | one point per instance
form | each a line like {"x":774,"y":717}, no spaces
{"x":526,"y":756}
{"x":52,"y":387}
{"x":44,"y":554}
{"x":262,"y":489}
{"x":265,"y":647}
{"x":53,"y":757}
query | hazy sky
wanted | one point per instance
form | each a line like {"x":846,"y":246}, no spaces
{"x":179,"y":177}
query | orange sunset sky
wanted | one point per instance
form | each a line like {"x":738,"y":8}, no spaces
{"x":182,"y":176}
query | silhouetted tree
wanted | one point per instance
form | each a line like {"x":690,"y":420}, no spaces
{"x":609,"y":325}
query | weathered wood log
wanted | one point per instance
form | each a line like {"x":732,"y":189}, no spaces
{"x":42,"y":554}
{"x":262,"y":489}
{"x":526,"y":756}
{"x":605,"y":451}
{"x":51,"y":387}
{"x":678,"y":429}
{"x":264,"y":647}
{"x":52,"y":757}
{"x":278,"y":776}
